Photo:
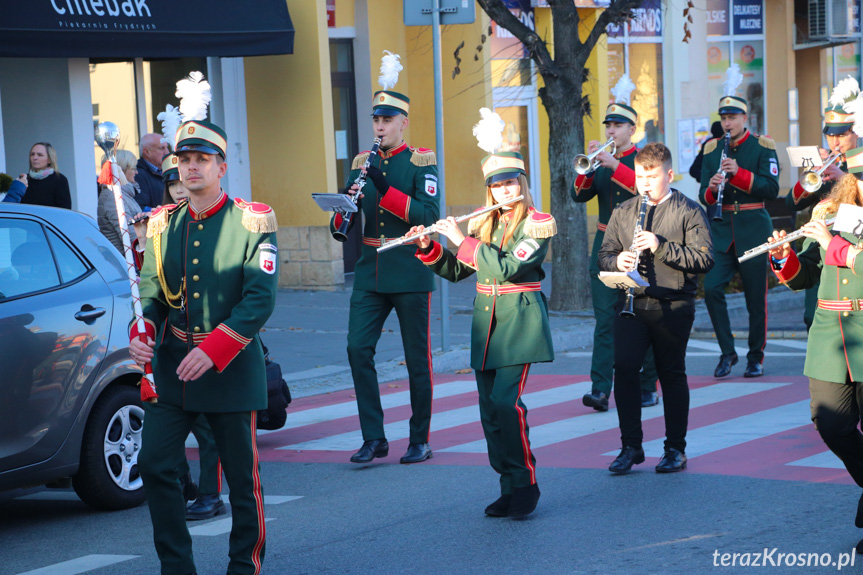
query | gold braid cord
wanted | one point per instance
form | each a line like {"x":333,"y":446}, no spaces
{"x":170,"y":297}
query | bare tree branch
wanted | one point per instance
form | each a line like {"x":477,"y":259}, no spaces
{"x":618,"y":12}
{"x":535,"y":45}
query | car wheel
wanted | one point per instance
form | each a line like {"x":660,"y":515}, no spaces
{"x":108,"y":476}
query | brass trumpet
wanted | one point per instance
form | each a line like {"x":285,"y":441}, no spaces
{"x":811,"y":180}
{"x":584,"y":164}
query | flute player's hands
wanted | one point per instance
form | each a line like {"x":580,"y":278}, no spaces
{"x":422,"y":242}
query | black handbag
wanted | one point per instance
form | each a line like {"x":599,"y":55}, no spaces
{"x":278,"y":396}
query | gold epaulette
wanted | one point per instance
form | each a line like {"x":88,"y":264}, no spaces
{"x":821,"y":211}
{"x":540,"y":225}
{"x":423,"y":157}
{"x":710,"y":145}
{"x":257,"y":218}
{"x":767,"y":142}
{"x":158,"y":221}
{"x":359,"y":160}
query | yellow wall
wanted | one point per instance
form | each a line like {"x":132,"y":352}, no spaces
{"x":780,"y":77}
{"x":344,"y":13}
{"x":290,"y":117}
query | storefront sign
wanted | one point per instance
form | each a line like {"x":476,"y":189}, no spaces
{"x":145,"y":28}
{"x":646,"y":22}
{"x":331,"y":13}
{"x":748,"y":16}
{"x":717,"y":17}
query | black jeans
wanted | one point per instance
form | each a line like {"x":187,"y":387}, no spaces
{"x":665,"y":325}
{"x":835,"y":409}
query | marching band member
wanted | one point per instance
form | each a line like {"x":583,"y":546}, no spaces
{"x":402,"y":193}
{"x":207,"y":287}
{"x":840,"y":138}
{"x":612,"y":183}
{"x":752,"y":170}
{"x":674,"y":245}
{"x":834,"y":363}
{"x":505,"y":249}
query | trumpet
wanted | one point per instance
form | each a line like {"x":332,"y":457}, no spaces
{"x":584,"y":164}
{"x":767,"y":246}
{"x":433,"y":228}
{"x":811,"y":180}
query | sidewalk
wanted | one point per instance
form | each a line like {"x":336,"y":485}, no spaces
{"x":307,"y":333}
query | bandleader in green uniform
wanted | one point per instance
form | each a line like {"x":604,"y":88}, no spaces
{"x":401,"y":191}
{"x":207,"y":494}
{"x":752,"y":170}
{"x":510,"y":329}
{"x":207,"y":287}
{"x":840,"y":138}
{"x":834,"y":363}
{"x":612,"y":183}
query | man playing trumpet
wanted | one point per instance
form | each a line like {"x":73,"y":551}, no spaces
{"x":612,"y":183}
{"x":840,"y":139}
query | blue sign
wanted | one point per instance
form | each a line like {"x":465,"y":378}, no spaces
{"x":748,"y":16}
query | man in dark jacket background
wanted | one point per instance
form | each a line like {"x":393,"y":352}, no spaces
{"x":149,"y":177}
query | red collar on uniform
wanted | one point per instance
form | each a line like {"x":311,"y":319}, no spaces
{"x":209,"y":210}
{"x":737,"y":143}
{"x":393,"y":151}
{"x":629,"y":151}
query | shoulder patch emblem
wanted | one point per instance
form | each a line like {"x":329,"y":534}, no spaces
{"x":774,"y":167}
{"x":267,"y":261}
{"x":524,"y":249}
{"x":430,"y":186}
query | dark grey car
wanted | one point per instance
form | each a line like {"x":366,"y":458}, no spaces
{"x":69,"y":405}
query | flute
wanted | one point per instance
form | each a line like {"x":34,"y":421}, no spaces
{"x":433,"y":228}
{"x":767,"y":246}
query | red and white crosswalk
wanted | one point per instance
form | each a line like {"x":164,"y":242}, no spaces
{"x":757,"y":428}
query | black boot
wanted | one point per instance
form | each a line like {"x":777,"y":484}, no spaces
{"x":524,"y":500}
{"x":499,"y":508}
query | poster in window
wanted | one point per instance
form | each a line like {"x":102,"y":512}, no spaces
{"x":717,"y":17}
{"x":748,"y":17}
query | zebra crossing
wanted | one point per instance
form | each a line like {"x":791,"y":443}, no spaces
{"x":758,"y":428}
{"x":709,"y":348}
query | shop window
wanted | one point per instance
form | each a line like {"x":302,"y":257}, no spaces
{"x":735,"y":33}
{"x":636,"y":49}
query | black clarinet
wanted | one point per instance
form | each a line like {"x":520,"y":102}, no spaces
{"x":714,"y":212}
{"x":628,"y":309}
{"x":341,"y":234}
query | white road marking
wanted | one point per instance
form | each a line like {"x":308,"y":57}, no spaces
{"x":579,"y":426}
{"x":214,"y":528}
{"x":732,"y":432}
{"x":826,"y":460}
{"x":81,"y":565}
{"x":443,"y":420}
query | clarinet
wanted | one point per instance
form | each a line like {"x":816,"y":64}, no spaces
{"x":714,"y":212}
{"x":341,"y":234}
{"x":628,"y":310}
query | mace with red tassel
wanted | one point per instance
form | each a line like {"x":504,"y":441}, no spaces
{"x":108,"y":138}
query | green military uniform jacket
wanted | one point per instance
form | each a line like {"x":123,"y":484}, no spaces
{"x":510,"y":327}
{"x":746,"y":222}
{"x":411,"y":200}
{"x":835,"y":338}
{"x":228,"y":255}
{"x":799,"y":199}
{"x":611,"y":188}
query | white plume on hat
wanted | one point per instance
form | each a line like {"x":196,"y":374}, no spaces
{"x":489,"y":130}
{"x":622,"y":90}
{"x":194,"y":94}
{"x":855,"y":107}
{"x":171,"y":120}
{"x":733,"y":79}
{"x":390,"y":68}
{"x":846,"y":90}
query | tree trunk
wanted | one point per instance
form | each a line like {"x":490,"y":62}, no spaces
{"x":570,"y":282}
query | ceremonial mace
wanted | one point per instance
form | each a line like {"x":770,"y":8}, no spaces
{"x":107,"y":138}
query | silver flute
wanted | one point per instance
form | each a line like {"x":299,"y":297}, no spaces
{"x":767,"y":246}
{"x":433,"y":228}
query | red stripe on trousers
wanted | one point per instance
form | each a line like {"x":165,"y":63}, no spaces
{"x":522,"y":422}
{"x":259,"y":499}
